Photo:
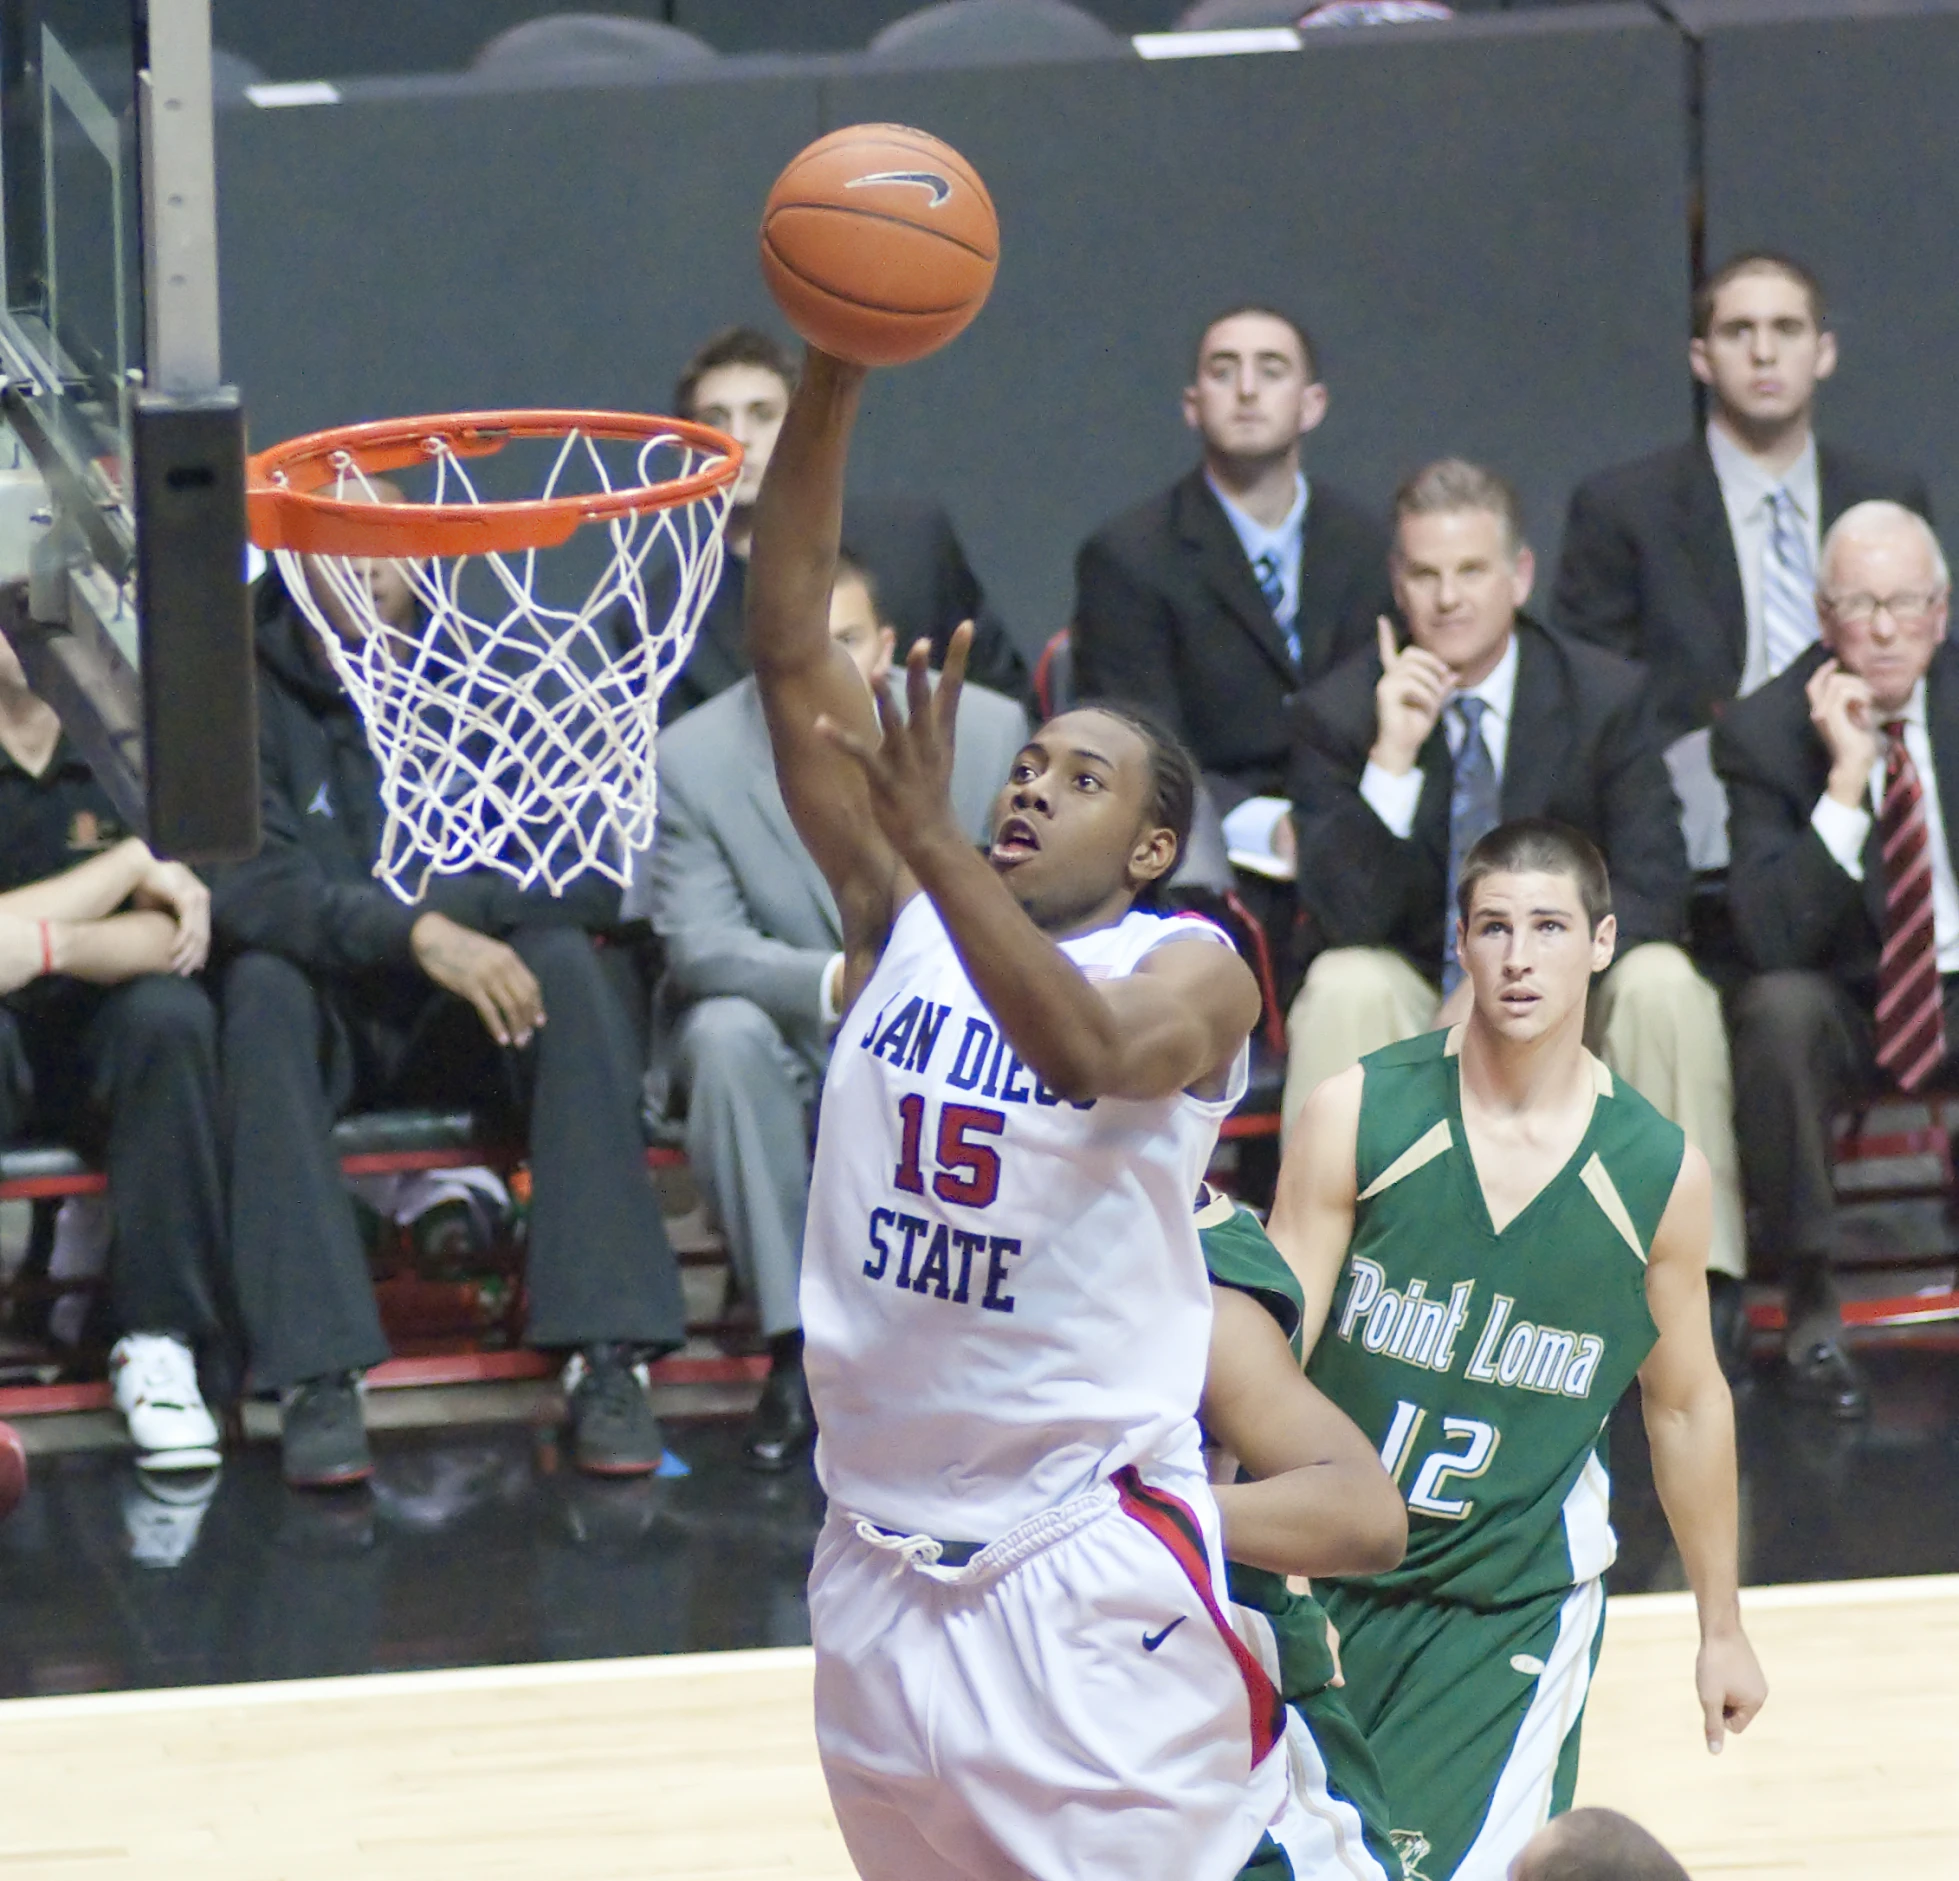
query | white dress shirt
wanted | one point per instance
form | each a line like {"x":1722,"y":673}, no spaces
{"x":1393,"y":799}
{"x":1747,"y":493}
{"x":1283,"y":544}
{"x":1844,"y":831}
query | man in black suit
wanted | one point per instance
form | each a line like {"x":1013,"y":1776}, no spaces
{"x":1700,"y":559}
{"x":1213,"y":603}
{"x":740,"y":382}
{"x":1404,"y":756}
{"x":1842,"y":775}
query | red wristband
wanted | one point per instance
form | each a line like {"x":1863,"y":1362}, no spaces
{"x":47,"y":950}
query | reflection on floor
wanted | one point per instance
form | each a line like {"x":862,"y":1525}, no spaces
{"x":476,"y":1547}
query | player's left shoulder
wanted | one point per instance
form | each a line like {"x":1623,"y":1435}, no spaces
{"x":1637,"y":1159}
{"x":1240,"y":1255}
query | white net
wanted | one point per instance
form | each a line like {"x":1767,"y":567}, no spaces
{"x":515,"y":732}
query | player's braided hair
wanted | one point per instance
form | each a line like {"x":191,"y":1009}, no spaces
{"x":1172,"y":801}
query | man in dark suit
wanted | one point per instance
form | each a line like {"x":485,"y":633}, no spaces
{"x":1213,"y":603}
{"x":335,"y":993}
{"x":1843,"y":775}
{"x":754,"y":949}
{"x":1700,"y":559}
{"x":740,"y":382}
{"x":1404,"y":757}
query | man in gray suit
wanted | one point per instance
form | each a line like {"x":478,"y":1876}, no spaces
{"x":754,"y":958}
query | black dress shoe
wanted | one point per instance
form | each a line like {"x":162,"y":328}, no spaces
{"x":783,"y":1429}
{"x":1729,"y":1314}
{"x":322,"y":1438}
{"x":1824,"y":1373}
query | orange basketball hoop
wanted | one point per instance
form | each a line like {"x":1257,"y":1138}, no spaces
{"x":514,"y":725}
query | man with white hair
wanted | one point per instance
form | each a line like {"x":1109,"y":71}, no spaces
{"x":1841,"y":774}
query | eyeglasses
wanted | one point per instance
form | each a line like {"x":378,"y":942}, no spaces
{"x":1907,"y":605}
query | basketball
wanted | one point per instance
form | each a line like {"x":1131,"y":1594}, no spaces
{"x":879,"y":243}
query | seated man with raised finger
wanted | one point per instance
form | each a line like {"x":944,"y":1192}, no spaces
{"x":336,"y":994}
{"x":1407,"y":754}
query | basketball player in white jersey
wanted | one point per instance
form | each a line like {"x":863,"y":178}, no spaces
{"x":1024,"y":1667}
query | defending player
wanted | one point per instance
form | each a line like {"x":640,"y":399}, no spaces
{"x":1319,"y":1503}
{"x":1023,"y":1666}
{"x":1494,"y":1237}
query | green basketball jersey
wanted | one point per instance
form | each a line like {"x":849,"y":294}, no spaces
{"x":1484,"y":1364}
{"x":1240,"y":1256}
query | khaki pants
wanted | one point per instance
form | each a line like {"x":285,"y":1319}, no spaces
{"x":1653,"y":1019}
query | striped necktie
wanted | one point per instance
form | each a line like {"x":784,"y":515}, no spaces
{"x":1475,"y":808}
{"x":1272,"y":584}
{"x":1788,"y":585}
{"x":1910,"y":999}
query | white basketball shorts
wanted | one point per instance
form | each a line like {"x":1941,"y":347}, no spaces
{"x":1071,"y":1705}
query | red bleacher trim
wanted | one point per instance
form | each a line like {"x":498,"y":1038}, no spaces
{"x":54,"y":1188}
{"x":1253,"y":1124}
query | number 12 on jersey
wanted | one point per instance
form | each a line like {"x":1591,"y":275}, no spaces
{"x":1468,"y":1446}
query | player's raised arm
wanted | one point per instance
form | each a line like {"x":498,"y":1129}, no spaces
{"x":1322,"y":1503}
{"x":1075,"y":842}
{"x":1313,"y":1205}
{"x":1690,"y":1427}
{"x":802,"y":674}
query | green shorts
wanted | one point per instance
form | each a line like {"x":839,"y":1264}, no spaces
{"x":1472,"y":1716}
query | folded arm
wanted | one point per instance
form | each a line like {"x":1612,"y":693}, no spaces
{"x":1321,"y":1502}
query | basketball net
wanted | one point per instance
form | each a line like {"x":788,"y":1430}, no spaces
{"x":519,"y":735}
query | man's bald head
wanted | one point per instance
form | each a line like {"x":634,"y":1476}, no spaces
{"x":1595,"y":1845}
{"x":1884,"y":525}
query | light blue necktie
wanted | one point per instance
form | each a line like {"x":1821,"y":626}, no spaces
{"x":1272,"y":584}
{"x":1788,"y":585}
{"x":1475,"y":808}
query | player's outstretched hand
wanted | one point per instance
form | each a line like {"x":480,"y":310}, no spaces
{"x":909,"y":767}
{"x":1732,"y":1689}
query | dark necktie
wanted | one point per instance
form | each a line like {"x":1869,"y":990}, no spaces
{"x":1272,"y":584}
{"x":1910,"y":1001}
{"x":1475,"y":808}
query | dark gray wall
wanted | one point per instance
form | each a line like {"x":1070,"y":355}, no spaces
{"x":1831,"y":132}
{"x":1482,"y":222}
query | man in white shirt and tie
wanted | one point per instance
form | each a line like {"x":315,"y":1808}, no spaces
{"x":1842,"y":774}
{"x":1700,"y":560}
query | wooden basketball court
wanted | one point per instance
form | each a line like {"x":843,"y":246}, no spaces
{"x":704,"y":1766}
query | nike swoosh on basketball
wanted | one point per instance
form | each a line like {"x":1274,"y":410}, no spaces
{"x":1153,"y":1640}
{"x":924,"y":179}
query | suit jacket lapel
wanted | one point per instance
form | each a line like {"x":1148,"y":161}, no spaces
{"x":1703,"y":518}
{"x":1942,"y":727}
{"x":1835,"y":491}
{"x":1538,"y":723}
{"x":1204,"y":527}
{"x":758,"y":760}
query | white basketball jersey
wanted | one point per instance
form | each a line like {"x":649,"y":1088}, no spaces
{"x":1003,"y":1296}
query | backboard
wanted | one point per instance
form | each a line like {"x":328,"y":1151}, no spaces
{"x":122,"y":513}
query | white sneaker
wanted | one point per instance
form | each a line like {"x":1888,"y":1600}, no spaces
{"x":155,"y":1381}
